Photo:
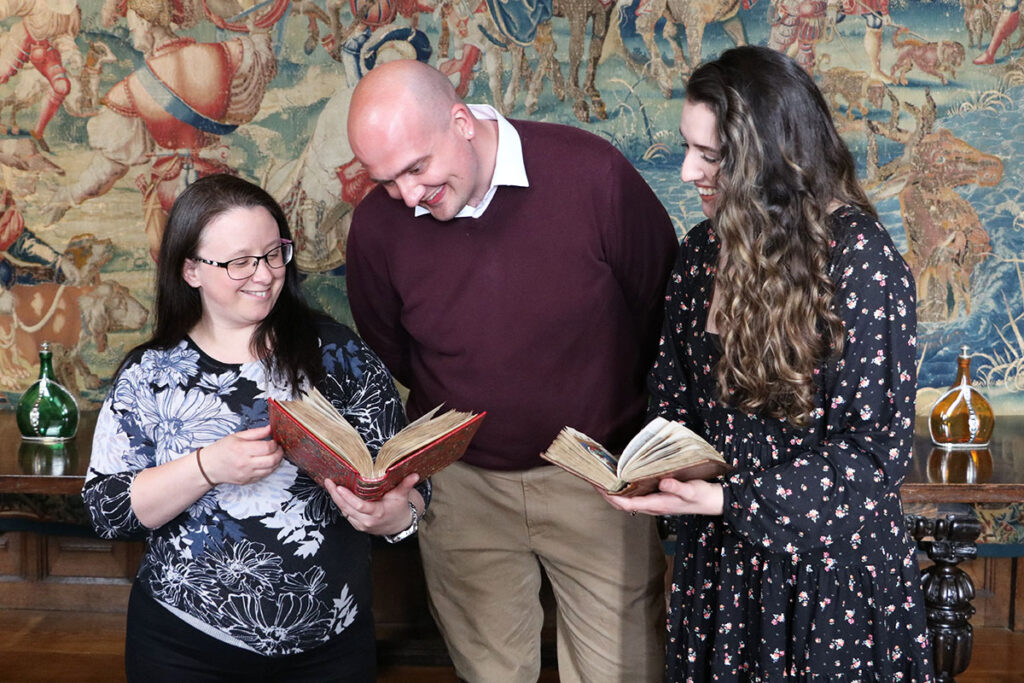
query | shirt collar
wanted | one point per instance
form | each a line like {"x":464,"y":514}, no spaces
{"x":509,"y":168}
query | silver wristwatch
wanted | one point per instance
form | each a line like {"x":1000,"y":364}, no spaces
{"x":409,"y":530}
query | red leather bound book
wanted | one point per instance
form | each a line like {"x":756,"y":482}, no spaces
{"x":357,"y":472}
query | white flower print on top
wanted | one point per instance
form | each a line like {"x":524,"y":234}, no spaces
{"x":175,"y":421}
{"x":262,"y":497}
{"x":278,"y":627}
{"x":221,"y":384}
{"x":172,"y":367}
{"x":266,"y":562}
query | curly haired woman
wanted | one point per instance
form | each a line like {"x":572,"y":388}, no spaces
{"x":789,"y":344}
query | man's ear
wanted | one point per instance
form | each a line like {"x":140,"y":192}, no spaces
{"x":188,"y":273}
{"x":463,"y":120}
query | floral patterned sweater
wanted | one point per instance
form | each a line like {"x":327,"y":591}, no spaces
{"x":271,"y":566}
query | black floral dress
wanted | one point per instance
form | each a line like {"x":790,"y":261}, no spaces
{"x":808,"y":575}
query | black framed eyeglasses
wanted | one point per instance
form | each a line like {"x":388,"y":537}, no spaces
{"x":243,"y":267}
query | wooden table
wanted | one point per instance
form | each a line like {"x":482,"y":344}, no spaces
{"x":992,"y":475}
{"x":27,"y":467}
{"x":936,"y":476}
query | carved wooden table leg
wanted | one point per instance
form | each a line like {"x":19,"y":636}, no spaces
{"x":948,"y":591}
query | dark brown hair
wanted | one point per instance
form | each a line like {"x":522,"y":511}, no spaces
{"x":286,"y":340}
{"x":783,"y":164}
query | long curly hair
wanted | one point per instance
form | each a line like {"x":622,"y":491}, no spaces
{"x":782,"y":165}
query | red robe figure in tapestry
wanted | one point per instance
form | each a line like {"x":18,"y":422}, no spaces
{"x":45,"y":31}
{"x":170,"y":113}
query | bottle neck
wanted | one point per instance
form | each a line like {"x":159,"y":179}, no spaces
{"x":46,"y":366}
{"x":963,"y":371}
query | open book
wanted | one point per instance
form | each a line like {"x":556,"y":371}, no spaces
{"x":661,"y":450}
{"x":318,"y":440}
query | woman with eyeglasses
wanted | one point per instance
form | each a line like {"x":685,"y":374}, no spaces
{"x":251,"y":569}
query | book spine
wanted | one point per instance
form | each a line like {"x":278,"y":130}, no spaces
{"x":308,"y":453}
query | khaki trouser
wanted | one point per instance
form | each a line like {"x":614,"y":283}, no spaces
{"x":484,"y":540}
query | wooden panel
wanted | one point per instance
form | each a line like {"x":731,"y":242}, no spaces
{"x":89,"y":557}
{"x":1017,"y":617}
{"x":109,"y":597}
{"x":86,"y":647}
{"x":996,"y":657}
{"x":61,"y":572}
{"x":399,"y":589}
{"x":992,"y":590}
{"x":10,"y":555}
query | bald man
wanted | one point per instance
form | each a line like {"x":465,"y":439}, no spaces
{"x":518,"y":268}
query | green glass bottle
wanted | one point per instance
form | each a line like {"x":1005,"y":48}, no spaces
{"x":47,"y":411}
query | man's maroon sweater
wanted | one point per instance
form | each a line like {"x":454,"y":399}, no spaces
{"x":544,"y":311}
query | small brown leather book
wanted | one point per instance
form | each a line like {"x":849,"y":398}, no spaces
{"x":661,"y":450}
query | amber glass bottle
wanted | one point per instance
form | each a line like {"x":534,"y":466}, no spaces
{"x":961,"y":417}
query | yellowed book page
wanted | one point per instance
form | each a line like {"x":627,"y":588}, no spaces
{"x":659,"y":436}
{"x":684,"y":448}
{"x":650,"y":431}
{"x":418,"y":434}
{"x":424,"y":418}
{"x":658,"y":451}
{"x":323,"y":420}
{"x":666,"y":439}
{"x":578,"y":453}
{"x":321,"y":403}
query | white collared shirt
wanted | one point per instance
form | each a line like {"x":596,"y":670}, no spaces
{"x":509,"y":168}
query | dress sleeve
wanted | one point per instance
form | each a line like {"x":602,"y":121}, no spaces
{"x":828,"y":491}
{"x":359,"y":386}
{"x":666,"y":383}
{"x":119,"y":453}
{"x":375,"y":305}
